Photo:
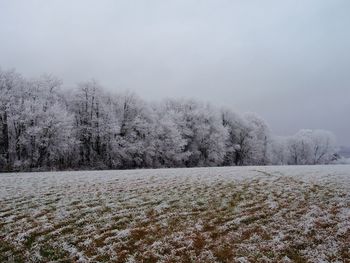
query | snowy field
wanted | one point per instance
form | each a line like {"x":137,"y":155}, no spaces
{"x":240,"y":214}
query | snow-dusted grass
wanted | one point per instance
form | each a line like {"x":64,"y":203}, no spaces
{"x":242,"y":214}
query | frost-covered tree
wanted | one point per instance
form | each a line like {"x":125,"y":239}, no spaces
{"x":201,"y":128}
{"x":248,"y":141}
{"x":323,"y":147}
{"x":11,"y":90}
{"x":96,"y":125}
{"x":278,"y":151}
{"x":48,"y":124}
{"x":259,"y":140}
{"x":36,"y":126}
{"x":43,"y":126}
{"x":134,"y":134}
{"x":168,"y":143}
{"x":311,"y":147}
{"x":237,"y":145}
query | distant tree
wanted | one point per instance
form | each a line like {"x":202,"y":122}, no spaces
{"x":96,"y":125}
{"x":311,"y":147}
{"x":11,"y":89}
{"x":48,"y":124}
{"x":248,"y":140}
{"x":135,"y":131}
{"x":323,"y":146}
{"x":36,"y":126}
{"x":168,"y":142}
{"x":43,"y":126}
{"x":201,"y":128}
{"x":278,"y":151}
{"x":238,"y":135}
{"x":259,"y":140}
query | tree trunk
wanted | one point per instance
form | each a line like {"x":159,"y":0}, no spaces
{"x":4,"y":147}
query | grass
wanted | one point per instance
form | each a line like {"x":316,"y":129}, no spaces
{"x":177,"y":215}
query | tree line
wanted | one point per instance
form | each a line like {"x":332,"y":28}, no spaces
{"x":44,"y":127}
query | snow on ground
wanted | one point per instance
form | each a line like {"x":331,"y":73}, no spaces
{"x":239,"y":214}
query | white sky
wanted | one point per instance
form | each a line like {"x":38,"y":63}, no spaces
{"x":287,"y":60}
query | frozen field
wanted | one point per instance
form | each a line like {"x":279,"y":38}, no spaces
{"x":243,"y":214}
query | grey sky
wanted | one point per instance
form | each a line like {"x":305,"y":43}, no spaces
{"x":287,"y":60}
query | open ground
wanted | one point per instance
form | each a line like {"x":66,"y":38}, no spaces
{"x":228,"y":214}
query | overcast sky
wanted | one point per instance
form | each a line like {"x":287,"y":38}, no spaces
{"x":288,"y":60}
